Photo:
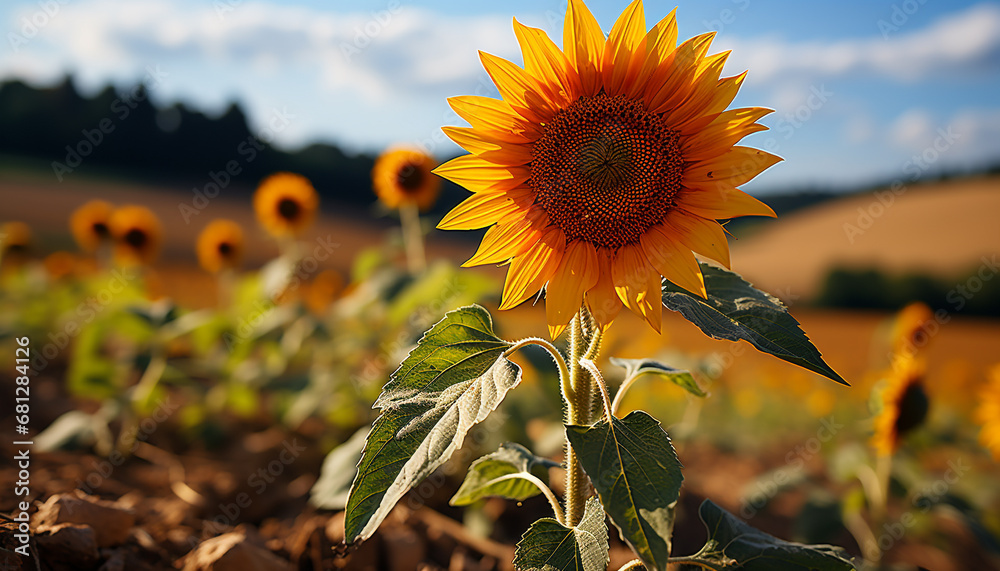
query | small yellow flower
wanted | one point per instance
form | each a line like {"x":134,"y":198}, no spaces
{"x":904,"y":404}
{"x":403,"y":175}
{"x":137,"y":233}
{"x":988,"y":413}
{"x":910,"y":330}
{"x":220,"y":246}
{"x":321,"y":292}
{"x":285,"y":204}
{"x":604,"y":165}
{"x":90,"y":224}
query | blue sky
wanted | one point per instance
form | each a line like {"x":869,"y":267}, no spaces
{"x":860,"y":88}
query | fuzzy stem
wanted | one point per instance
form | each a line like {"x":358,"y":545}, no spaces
{"x":584,"y":343}
{"x":546,"y":491}
{"x":413,"y":239}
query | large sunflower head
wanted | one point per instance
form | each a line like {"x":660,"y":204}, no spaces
{"x":90,"y":224}
{"x":604,"y":165}
{"x":285,"y":204}
{"x":403,"y":175}
{"x":988,"y":413}
{"x":903,"y":404}
{"x":137,"y":234}
{"x":220,"y":245}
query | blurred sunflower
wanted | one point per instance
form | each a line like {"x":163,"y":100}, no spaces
{"x":60,"y":264}
{"x":988,"y":413}
{"x":604,"y":165}
{"x":322,"y":291}
{"x":402,"y":176}
{"x":220,"y":246}
{"x":90,"y":224}
{"x":285,"y":204}
{"x":137,"y":233}
{"x":15,"y":242}
{"x":904,"y":405}
{"x":910,"y":329}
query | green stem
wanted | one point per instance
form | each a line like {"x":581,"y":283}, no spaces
{"x":584,"y":343}
{"x":413,"y":239}
{"x":546,"y":491}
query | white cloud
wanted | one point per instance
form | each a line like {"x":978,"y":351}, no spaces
{"x":965,"y":42}
{"x":913,"y":130}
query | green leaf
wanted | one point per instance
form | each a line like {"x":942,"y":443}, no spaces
{"x":736,"y":310}
{"x":510,"y":459}
{"x":637,"y":367}
{"x":754,"y":550}
{"x":451,"y":381}
{"x":551,"y":546}
{"x":338,"y":471}
{"x":637,"y":475}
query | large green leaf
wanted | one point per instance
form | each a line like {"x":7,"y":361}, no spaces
{"x":736,"y":310}
{"x":551,"y":546}
{"x":637,"y":474}
{"x":637,"y":367}
{"x":494,"y":475}
{"x":452,"y":380}
{"x":754,"y":550}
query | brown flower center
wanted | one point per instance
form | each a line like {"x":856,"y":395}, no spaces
{"x":913,"y":406}
{"x":410,"y":177}
{"x":101,"y":229}
{"x":136,"y":238}
{"x":225,"y":249}
{"x":289,"y":209}
{"x":606,"y":170}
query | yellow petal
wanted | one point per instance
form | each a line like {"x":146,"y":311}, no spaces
{"x":701,"y":235}
{"x":671,"y":83}
{"x":722,"y":133}
{"x":719,"y":201}
{"x":625,"y":50}
{"x":577,"y":273}
{"x":660,"y":44}
{"x":518,"y":89}
{"x":483,"y":209}
{"x":706,"y":87}
{"x":583,"y":42}
{"x":548,"y":64}
{"x":510,"y":237}
{"x":602,"y":300}
{"x":737,"y":166}
{"x":673,"y":260}
{"x":495,"y":117}
{"x":637,"y":284}
{"x":529,"y":272}
{"x":479,"y":175}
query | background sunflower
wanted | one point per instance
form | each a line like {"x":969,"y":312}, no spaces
{"x":137,"y":233}
{"x":285,"y":204}
{"x":904,"y":405}
{"x":403,"y":175}
{"x":90,"y":224}
{"x":220,"y":245}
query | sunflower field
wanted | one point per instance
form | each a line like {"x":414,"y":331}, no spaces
{"x":534,"y":351}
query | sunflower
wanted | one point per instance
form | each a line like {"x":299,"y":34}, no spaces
{"x":604,"y":165}
{"x":321,"y":292}
{"x":15,"y":241}
{"x":60,"y":264}
{"x":285,"y":204}
{"x":988,"y":413}
{"x":220,"y":245}
{"x":903,"y":405}
{"x":403,"y":175}
{"x":137,"y":234}
{"x":911,"y":329}
{"x":89,"y":224}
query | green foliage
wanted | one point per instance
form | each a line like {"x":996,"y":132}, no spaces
{"x":496,"y":475}
{"x":736,"y":310}
{"x":635,"y":368}
{"x":753,"y":550}
{"x":551,"y":546}
{"x":638,"y":477}
{"x":451,"y":381}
